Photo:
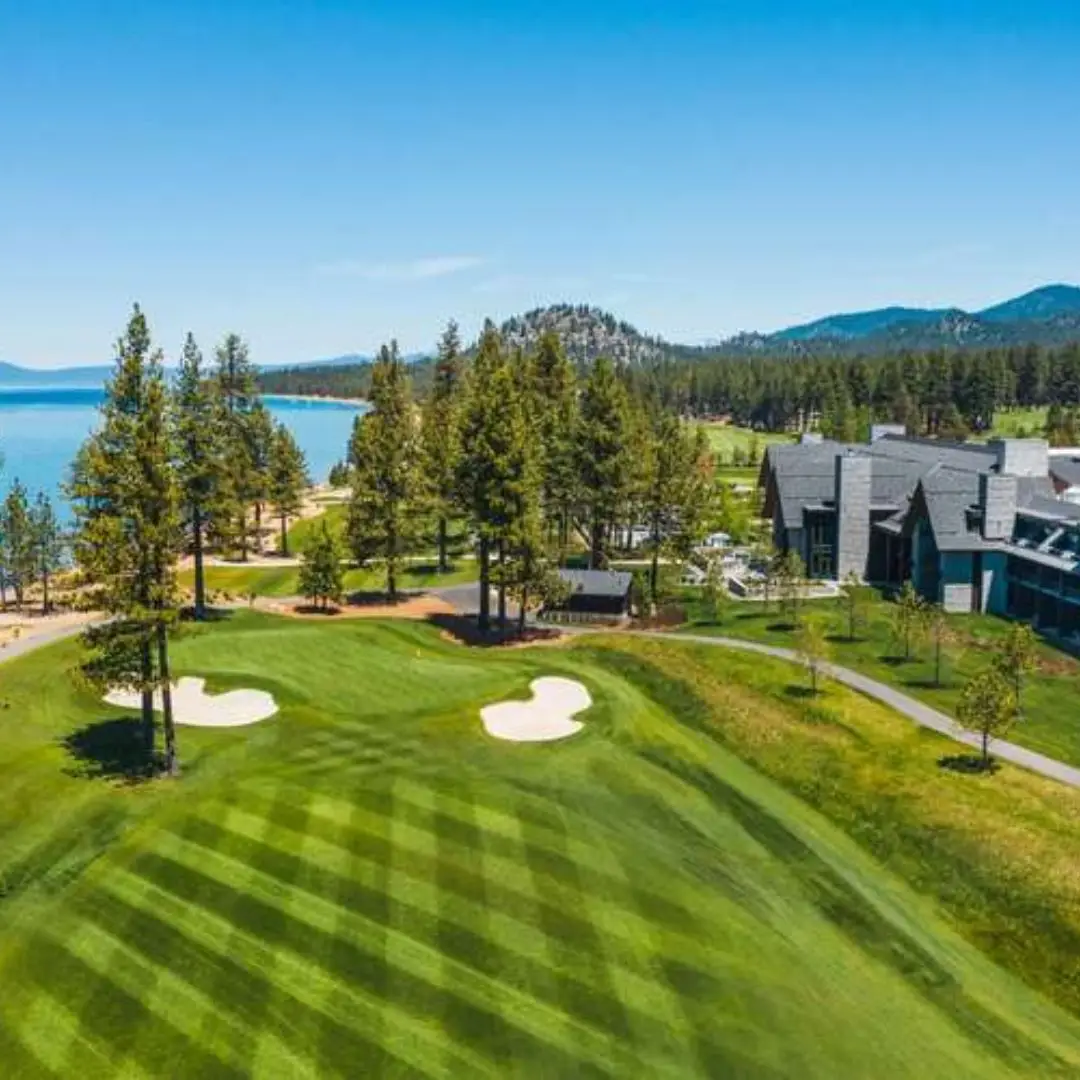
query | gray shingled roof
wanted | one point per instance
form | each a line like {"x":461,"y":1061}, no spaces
{"x":1066,"y":469}
{"x":609,"y":583}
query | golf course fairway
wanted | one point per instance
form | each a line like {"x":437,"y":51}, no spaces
{"x":368,"y":884}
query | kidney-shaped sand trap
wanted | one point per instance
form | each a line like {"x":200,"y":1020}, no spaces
{"x":193,"y":706}
{"x":548,"y":715}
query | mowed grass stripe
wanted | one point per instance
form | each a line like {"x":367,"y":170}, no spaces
{"x":419,"y":958}
{"x":114,"y":1022}
{"x":195,"y":954}
{"x":506,"y":901}
{"x":109,"y":952}
{"x":352,"y":955}
{"x":647,"y":996}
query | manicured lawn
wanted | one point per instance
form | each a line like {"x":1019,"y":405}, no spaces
{"x":1051,"y":695}
{"x":241,"y":581}
{"x":368,"y":885}
{"x":1028,"y":422}
{"x":335,"y":515}
{"x":725,"y":438}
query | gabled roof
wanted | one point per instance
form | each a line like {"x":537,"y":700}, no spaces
{"x":610,"y":583}
{"x":1066,"y":469}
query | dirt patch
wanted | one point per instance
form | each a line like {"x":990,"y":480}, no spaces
{"x":412,"y":607}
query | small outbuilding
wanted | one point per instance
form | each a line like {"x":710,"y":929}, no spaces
{"x":596,"y":592}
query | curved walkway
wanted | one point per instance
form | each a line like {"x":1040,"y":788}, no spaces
{"x":922,"y":714}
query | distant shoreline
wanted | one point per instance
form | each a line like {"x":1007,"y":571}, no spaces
{"x":356,"y":403}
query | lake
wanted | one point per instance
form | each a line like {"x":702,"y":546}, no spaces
{"x":40,"y":430}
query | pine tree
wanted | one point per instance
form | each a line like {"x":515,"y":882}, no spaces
{"x":441,"y":436}
{"x":260,"y":449}
{"x":483,"y":466}
{"x":385,"y":458}
{"x":288,"y":479}
{"x":124,"y":496}
{"x":48,"y":545}
{"x":20,"y":555}
{"x":237,"y":397}
{"x":197,"y":448}
{"x":321,"y":575}
{"x":556,"y":392}
{"x":604,"y":464}
{"x":677,"y":492}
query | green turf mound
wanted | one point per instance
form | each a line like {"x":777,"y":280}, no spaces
{"x":364,"y":888}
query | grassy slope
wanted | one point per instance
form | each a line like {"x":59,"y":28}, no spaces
{"x":368,"y":883}
{"x":1051,"y":715}
{"x":239,"y":581}
{"x":724,"y":438}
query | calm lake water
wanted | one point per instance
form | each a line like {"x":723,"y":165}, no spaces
{"x":40,"y":430}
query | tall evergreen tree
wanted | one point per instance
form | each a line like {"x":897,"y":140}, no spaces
{"x":288,"y":479}
{"x":18,"y":529}
{"x":441,"y":436}
{"x":236,"y":388}
{"x":127,"y":532}
{"x":556,"y":388}
{"x":260,"y":451}
{"x":385,"y":458}
{"x":48,"y":545}
{"x":603,"y":459}
{"x":197,"y":447}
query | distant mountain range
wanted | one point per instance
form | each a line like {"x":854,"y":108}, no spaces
{"x":1047,"y":316}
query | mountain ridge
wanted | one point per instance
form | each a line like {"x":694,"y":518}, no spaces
{"x":1048,"y":316}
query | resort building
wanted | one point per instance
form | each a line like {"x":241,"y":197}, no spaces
{"x":974,"y":527}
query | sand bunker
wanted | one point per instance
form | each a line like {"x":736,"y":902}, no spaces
{"x":547,"y":716}
{"x":193,"y":706}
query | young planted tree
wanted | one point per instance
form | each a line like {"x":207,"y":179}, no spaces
{"x":856,"y":599}
{"x":197,"y":450}
{"x":441,"y":440}
{"x":386,"y":469}
{"x":812,"y":648}
{"x":986,"y":706}
{"x":790,"y":577}
{"x":125,"y":499}
{"x":19,"y":551}
{"x":1017,"y":657}
{"x":322,"y":579}
{"x":713,"y":589}
{"x":937,"y":628}
{"x":908,"y":618}
{"x":764,"y":557}
{"x":48,"y":545}
{"x":604,"y":463}
{"x":288,"y":479}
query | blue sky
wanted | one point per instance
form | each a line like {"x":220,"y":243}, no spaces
{"x":322,"y":176}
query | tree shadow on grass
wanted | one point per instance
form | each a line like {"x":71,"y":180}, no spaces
{"x":801,"y":692}
{"x":967,"y":764}
{"x":928,"y":684}
{"x":843,"y":639}
{"x":892,"y":660}
{"x":110,"y":750}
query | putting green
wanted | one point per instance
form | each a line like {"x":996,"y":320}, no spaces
{"x":368,"y":886}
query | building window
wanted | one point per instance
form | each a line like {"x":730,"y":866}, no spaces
{"x":820,"y":547}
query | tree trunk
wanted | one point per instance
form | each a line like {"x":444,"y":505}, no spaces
{"x":523,"y":610}
{"x":172,"y":765}
{"x":443,"y":567}
{"x":146,"y":664}
{"x":502,"y":584}
{"x":654,"y":572}
{"x":284,"y":534}
{"x":596,"y":546}
{"x":45,"y":594}
{"x":243,"y":536}
{"x":986,"y":750}
{"x":3,"y":591}
{"x":391,"y":565}
{"x":258,"y":527}
{"x":200,"y":573}
{"x":937,"y":663}
{"x":484,"y":620}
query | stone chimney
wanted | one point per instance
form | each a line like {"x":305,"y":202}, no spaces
{"x":853,"y":484}
{"x":997,"y":498}
{"x":1022,"y":457}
